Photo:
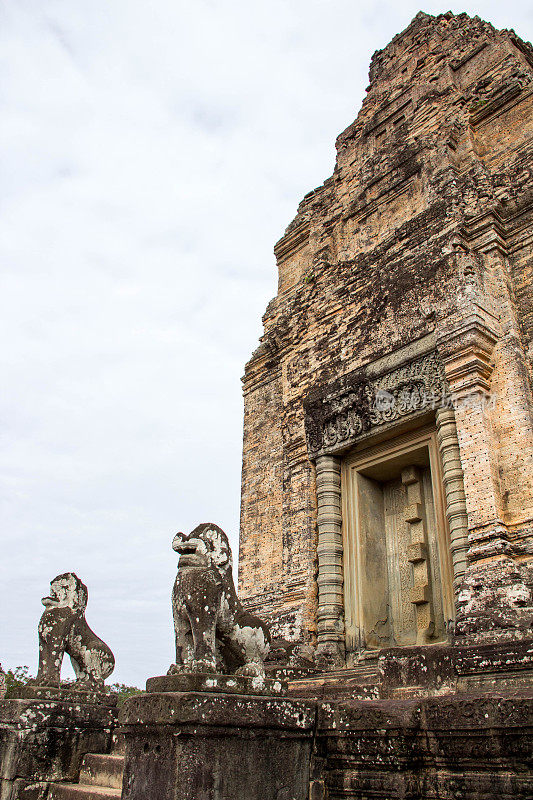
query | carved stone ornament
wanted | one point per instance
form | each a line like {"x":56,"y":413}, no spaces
{"x":213,"y":631}
{"x":64,"y":629}
{"x":337,"y":416}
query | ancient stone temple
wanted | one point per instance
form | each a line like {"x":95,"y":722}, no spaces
{"x":387,"y":483}
{"x":381,"y":646}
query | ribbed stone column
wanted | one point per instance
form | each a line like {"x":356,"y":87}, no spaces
{"x":455,"y":491}
{"x":330,"y":628}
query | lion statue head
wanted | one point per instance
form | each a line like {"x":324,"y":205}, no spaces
{"x":67,"y":591}
{"x":206,"y":546}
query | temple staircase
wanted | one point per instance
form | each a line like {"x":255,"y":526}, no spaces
{"x":100,"y":779}
{"x":101,"y":774}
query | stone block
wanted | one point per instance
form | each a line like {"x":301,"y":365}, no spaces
{"x":45,"y":740}
{"x":494,"y":666}
{"x":413,"y":513}
{"x":64,"y":693}
{"x":207,"y":682}
{"x":448,"y":747}
{"x":194,"y":746}
{"x":410,"y":475}
{"x":420,"y":593}
{"x":417,"y":552}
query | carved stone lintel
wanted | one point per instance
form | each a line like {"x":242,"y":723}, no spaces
{"x":342,"y":413}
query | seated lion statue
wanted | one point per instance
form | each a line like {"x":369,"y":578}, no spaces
{"x":213,"y":631}
{"x":64,"y":629}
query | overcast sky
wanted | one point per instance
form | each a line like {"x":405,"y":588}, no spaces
{"x":151,"y":153}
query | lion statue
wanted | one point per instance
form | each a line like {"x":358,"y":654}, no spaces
{"x":64,"y":629}
{"x":213,"y":631}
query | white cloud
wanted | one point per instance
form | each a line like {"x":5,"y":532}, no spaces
{"x":152,"y":153}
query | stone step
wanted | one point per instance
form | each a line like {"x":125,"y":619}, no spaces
{"x":361,"y":671}
{"x":102,"y":770}
{"x":334,"y":690}
{"x":78,"y":791}
{"x":364,"y":673}
{"x":357,"y":683}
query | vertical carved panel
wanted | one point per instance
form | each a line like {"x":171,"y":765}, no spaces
{"x":330,"y":629}
{"x":421,"y":594}
{"x":373,"y":587}
{"x":398,"y":566}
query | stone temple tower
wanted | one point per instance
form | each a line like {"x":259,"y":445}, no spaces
{"x":387,"y":483}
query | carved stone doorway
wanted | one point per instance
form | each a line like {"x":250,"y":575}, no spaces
{"x":397,"y":565}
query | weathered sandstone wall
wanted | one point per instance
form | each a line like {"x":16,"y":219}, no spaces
{"x":420,"y":242}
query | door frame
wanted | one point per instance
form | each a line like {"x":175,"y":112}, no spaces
{"x":354,"y":462}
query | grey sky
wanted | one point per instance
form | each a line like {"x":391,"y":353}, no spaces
{"x":151,"y":155}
